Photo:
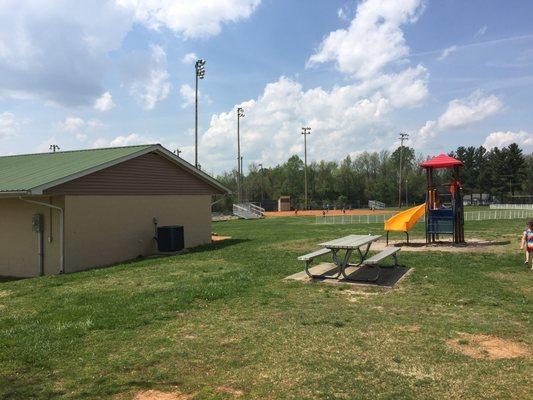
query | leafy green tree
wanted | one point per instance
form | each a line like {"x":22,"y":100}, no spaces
{"x":374,"y":176}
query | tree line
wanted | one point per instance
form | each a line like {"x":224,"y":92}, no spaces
{"x":504,"y":174}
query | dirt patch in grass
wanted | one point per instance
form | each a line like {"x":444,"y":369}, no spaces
{"x":476,"y":245}
{"x":158,"y":395}
{"x":488,"y":347}
{"x":355,"y":295}
{"x":229,"y":390}
{"x":409,"y":328}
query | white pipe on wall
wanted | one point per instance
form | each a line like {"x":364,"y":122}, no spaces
{"x":61,"y":230}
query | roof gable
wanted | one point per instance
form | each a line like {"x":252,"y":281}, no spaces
{"x":34,"y":173}
{"x":148,"y":174}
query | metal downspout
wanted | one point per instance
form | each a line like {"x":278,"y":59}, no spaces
{"x":61,"y":230}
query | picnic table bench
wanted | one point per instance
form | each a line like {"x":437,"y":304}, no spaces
{"x":349,"y":244}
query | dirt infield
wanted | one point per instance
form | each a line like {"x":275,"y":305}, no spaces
{"x":313,"y":213}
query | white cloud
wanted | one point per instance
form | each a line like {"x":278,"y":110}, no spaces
{"x":9,"y":125}
{"x":446,"y":52}
{"x":104,"y":102}
{"x":427,"y":132}
{"x":72,"y":124}
{"x":189,"y":58}
{"x":58,"y":50}
{"x":481,"y":31}
{"x":373,"y":40}
{"x":79,"y":127}
{"x":342,"y":14}
{"x":346,"y":117}
{"x":147,"y":77}
{"x":192,"y":19}
{"x":407,"y":88}
{"x":188,"y":94}
{"x":459,"y":114}
{"x":462,"y":112}
{"x":53,"y":51}
{"x":501,"y":139}
{"x":126,"y":140}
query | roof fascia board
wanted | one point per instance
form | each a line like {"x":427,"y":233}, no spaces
{"x":14,"y":193}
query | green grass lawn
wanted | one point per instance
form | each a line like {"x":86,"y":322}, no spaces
{"x":221,"y":316}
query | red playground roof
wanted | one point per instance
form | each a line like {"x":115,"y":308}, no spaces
{"x":441,"y":161}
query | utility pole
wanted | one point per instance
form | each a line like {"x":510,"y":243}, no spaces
{"x":240,"y":114}
{"x":406,"y":198}
{"x":403,"y":137}
{"x":54,"y":147}
{"x":200,"y":73}
{"x":305,"y":132}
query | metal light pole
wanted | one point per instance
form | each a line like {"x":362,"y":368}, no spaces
{"x":261,"y":173}
{"x":240,"y":114}
{"x":200,"y":73}
{"x":305,"y":132}
{"x":243,"y":196}
{"x":403,"y":136}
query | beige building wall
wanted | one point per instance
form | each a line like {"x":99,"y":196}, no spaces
{"x":19,"y":244}
{"x":103,"y":230}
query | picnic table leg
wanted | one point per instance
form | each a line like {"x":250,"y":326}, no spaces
{"x":362,"y":256}
{"x":335,"y":255}
{"x":345,"y":263}
{"x":335,"y":260}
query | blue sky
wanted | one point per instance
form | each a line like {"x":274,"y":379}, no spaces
{"x":121,"y":72}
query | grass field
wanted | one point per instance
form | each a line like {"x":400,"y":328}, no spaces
{"x":219,"y":322}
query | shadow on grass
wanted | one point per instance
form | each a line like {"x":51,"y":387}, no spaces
{"x":217,"y":245}
{"x":9,"y":278}
{"x":198,"y":249}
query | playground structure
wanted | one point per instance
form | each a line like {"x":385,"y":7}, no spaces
{"x":443,"y":209}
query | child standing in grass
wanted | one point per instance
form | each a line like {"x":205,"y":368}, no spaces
{"x":527,"y":243}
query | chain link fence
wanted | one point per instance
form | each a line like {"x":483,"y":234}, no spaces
{"x":511,"y":206}
{"x":381,"y":218}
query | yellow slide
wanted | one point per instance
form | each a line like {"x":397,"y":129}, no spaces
{"x":405,"y":220}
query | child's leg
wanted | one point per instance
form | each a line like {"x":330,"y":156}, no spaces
{"x":530,"y":259}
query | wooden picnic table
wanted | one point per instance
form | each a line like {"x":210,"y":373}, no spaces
{"x":349,"y":244}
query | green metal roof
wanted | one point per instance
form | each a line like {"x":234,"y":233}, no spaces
{"x":22,"y":173}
